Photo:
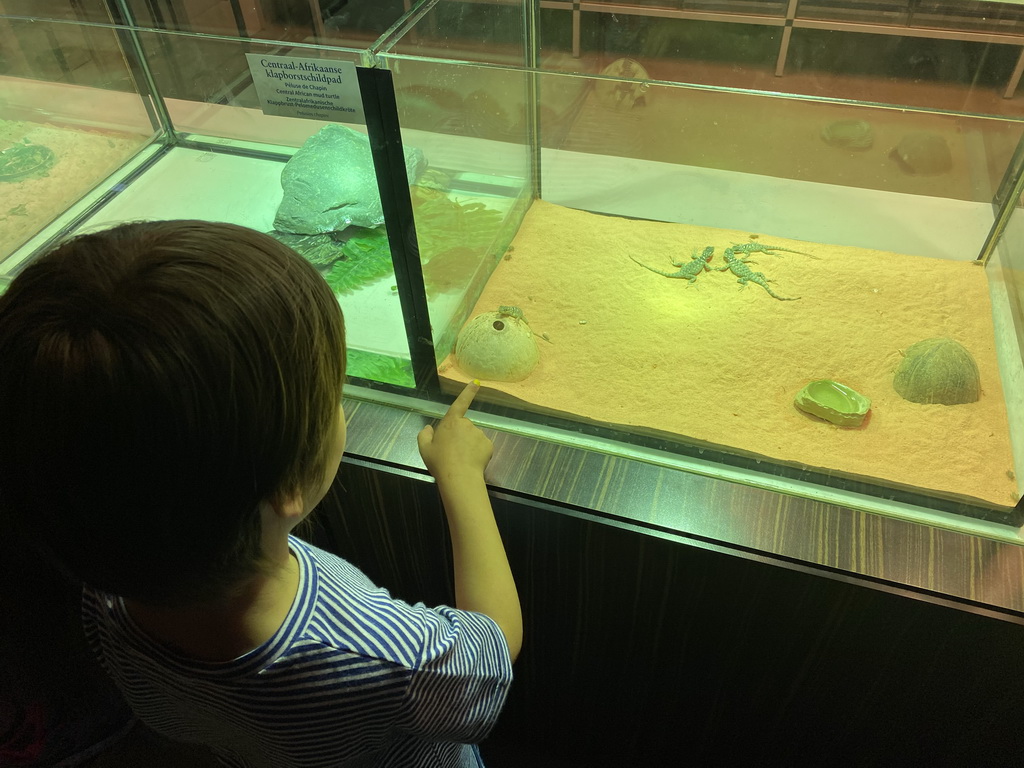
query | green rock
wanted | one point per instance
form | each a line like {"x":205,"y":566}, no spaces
{"x":319,"y":250}
{"x":330,"y":183}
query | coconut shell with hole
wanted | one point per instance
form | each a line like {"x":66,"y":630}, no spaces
{"x":497,"y":347}
{"x":938,"y":370}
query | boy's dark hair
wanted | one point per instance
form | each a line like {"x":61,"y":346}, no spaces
{"x":158,"y":380}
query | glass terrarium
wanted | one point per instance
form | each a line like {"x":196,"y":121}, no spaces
{"x":107,"y":116}
{"x":815,"y":284}
{"x":675,"y":234}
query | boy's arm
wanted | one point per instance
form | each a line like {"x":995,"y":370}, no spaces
{"x":456,"y":453}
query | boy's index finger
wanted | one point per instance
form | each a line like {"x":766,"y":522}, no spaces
{"x":461,"y":404}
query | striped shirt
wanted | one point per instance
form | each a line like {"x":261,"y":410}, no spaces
{"x":352,"y":678}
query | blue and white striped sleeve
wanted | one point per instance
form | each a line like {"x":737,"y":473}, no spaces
{"x":461,"y":680}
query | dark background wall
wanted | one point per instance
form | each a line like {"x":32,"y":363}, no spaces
{"x":643,"y":651}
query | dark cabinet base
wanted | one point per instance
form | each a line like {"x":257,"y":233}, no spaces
{"x":645,"y":651}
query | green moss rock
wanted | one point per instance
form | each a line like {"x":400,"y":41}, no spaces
{"x":330,"y":183}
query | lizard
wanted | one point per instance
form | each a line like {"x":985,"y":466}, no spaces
{"x":738,"y":266}
{"x":688,"y":269}
{"x":762,"y":248}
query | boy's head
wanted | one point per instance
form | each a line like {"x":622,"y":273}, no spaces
{"x":158,"y":381}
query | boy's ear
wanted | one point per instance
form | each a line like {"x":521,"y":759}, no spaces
{"x":287,"y":504}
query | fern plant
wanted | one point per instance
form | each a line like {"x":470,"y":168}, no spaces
{"x":376,"y":367}
{"x":366,"y":258}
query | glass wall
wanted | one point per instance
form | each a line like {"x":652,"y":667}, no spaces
{"x":751,"y":276}
{"x":74,"y":113}
{"x":256,"y":133}
{"x":700,"y":230}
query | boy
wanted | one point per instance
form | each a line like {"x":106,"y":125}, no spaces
{"x":170,"y":409}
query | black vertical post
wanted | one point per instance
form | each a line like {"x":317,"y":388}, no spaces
{"x":378,"y":94}
{"x":236,"y":10}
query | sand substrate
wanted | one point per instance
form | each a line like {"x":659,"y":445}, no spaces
{"x":718,"y":363}
{"x":83,"y":159}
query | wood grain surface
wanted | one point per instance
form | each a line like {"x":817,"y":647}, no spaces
{"x":976,"y":571}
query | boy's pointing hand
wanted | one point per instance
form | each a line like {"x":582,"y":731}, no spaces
{"x":456,"y":446}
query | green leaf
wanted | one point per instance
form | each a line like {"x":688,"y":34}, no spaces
{"x":383,"y":368}
{"x":443,"y":224}
{"x":367,"y":258}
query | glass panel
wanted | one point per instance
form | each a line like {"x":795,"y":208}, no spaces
{"x":222,"y":158}
{"x":681,"y":7}
{"x":996,"y":17}
{"x":70,"y":117}
{"x":945,"y":74}
{"x":755,"y":276}
{"x":750,"y":7}
{"x":355,"y":23}
{"x":472,"y":124}
{"x":683,"y":50}
{"x":489,"y":32}
{"x":688,"y":214}
{"x":896,"y":12}
{"x":800,"y":139}
{"x":1006,"y":276}
{"x":687,"y":46}
{"x":229,"y":165}
{"x":862,"y":50}
{"x":80,"y":10}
